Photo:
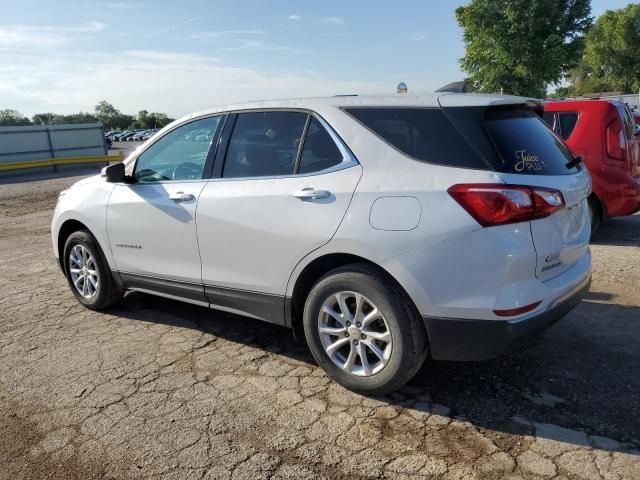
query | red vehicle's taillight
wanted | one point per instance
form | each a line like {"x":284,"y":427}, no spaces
{"x":616,"y":147}
{"x":497,"y":204}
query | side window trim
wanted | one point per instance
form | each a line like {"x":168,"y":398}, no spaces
{"x":213,"y":148}
{"x":221,"y":151}
{"x":303,"y":139}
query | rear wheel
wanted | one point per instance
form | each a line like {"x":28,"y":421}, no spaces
{"x":363,"y":331}
{"x":88,"y":272}
{"x":595,"y":212}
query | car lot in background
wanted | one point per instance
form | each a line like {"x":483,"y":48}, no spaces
{"x":603,"y":133}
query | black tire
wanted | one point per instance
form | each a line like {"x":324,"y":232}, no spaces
{"x":409,"y":347}
{"x":595,"y":212}
{"x":108,"y":291}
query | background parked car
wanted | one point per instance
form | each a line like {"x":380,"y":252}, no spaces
{"x":603,"y":132}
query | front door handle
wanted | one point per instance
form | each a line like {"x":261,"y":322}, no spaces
{"x":181,"y":197}
{"x":310,"y":193}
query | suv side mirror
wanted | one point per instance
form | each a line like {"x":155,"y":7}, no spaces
{"x":637,"y":129}
{"x":114,"y":173}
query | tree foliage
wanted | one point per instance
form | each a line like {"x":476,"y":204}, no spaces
{"x":521,"y":46}
{"x":110,"y":117}
{"x":10,"y":117}
{"x":612,"y":54}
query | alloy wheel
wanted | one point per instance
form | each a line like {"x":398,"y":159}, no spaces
{"x":84,"y":272}
{"x":354,"y":333}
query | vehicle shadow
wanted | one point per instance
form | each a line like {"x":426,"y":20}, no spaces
{"x":619,"y":231}
{"x":579,"y":378}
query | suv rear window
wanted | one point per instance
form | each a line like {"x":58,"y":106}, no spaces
{"x":508,"y":139}
{"x":525,"y":144}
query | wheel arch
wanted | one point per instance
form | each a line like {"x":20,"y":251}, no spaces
{"x":318,"y":267}
{"x":600,"y":204}
{"x":67,"y":228}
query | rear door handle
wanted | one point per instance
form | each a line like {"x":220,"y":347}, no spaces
{"x":310,"y":193}
{"x":181,"y":197}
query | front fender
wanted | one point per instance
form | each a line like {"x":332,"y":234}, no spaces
{"x":85,"y":202}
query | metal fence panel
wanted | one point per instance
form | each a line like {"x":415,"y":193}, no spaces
{"x":631,"y":100}
{"x":19,"y":144}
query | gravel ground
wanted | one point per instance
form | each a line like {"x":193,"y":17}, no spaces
{"x":159,"y":389}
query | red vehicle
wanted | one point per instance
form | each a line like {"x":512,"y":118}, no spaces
{"x":603,"y":133}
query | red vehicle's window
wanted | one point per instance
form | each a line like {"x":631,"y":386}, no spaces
{"x":568,"y":121}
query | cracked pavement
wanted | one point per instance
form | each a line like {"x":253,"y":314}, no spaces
{"x":154,"y":388}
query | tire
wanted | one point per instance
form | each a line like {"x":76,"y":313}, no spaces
{"x":400,"y":320}
{"x":106,"y":291}
{"x":595,"y":212}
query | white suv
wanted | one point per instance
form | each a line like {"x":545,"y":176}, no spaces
{"x":388,"y":228}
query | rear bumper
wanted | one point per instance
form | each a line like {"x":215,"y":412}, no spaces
{"x":471,"y":340}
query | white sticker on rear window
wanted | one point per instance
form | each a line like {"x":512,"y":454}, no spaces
{"x":527,"y":161}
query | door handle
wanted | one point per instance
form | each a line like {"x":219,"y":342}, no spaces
{"x":181,"y":197}
{"x":310,"y":193}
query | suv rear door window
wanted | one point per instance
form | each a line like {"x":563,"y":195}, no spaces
{"x":264,"y":144}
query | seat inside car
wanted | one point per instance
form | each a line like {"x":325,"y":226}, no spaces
{"x":262,"y":157}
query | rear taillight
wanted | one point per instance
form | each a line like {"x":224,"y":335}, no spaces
{"x":498,"y":204}
{"x":616,"y":146}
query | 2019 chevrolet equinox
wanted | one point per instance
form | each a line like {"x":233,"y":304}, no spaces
{"x":387,"y":228}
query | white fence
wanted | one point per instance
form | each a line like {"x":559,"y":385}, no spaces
{"x":631,"y":100}
{"x":27,"y":144}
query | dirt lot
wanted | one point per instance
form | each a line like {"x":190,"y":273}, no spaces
{"x":159,"y":389}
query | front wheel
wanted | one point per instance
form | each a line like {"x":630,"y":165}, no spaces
{"x":88,"y":272}
{"x":362,"y":330}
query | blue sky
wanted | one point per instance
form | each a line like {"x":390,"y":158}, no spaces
{"x":180,"y":56}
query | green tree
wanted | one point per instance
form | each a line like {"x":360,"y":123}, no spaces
{"x":47,"y":118}
{"x":109,"y":115}
{"x":612,"y":52}
{"x":521,"y":46}
{"x":12,"y":118}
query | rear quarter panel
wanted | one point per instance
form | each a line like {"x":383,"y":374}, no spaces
{"x":389,"y":173}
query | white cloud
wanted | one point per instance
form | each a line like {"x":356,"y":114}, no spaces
{"x":171,"y":82}
{"x":418,"y":36}
{"x":179,"y":24}
{"x":13,"y":36}
{"x":334,"y":21}
{"x":256,"y":45}
{"x":120,"y":5}
{"x":224,"y":33}
{"x":294,"y":17}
